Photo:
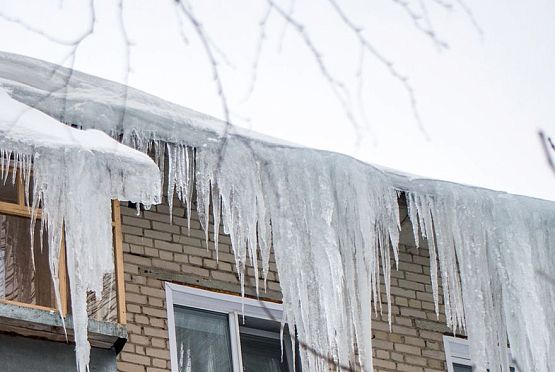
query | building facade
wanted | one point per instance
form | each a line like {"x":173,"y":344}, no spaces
{"x":162,"y":267}
{"x":157,"y":252}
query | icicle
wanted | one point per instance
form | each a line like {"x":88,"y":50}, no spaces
{"x":172,"y":163}
{"x":216,"y":215}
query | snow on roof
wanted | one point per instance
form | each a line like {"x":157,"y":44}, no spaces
{"x":77,"y":98}
{"x":25,"y":130}
{"x":74,"y":97}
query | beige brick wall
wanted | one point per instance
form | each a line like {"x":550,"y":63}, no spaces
{"x":415,"y":342}
{"x":156,"y":251}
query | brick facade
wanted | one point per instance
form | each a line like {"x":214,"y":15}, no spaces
{"x":156,"y":251}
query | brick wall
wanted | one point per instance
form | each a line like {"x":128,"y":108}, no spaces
{"x":156,"y":251}
{"x":415,"y":343}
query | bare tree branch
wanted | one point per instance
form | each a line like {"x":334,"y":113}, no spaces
{"x":472,"y":18}
{"x":417,"y":20}
{"x":74,"y":46}
{"x":360,"y":99}
{"x":209,"y":51}
{"x":290,"y":11}
{"x":366,"y":45}
{"x":548,"y":148}
{"x":259,"y":45}
{"x":127,"y":53}
{"x":338,"y":88}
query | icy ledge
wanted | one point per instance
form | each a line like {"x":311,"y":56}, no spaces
{"x":76,"y":174}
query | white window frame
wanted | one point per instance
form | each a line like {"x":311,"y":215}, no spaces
{"x":233,"y":306}
{"x":457,"y":350}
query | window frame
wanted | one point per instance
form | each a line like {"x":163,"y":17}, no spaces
{"x":20,"y":209}
{"x":232,"y":305}
{"x":457,"y":351}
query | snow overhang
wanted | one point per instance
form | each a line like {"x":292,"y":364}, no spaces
{"x":28,"y":131}
{"x":95,"y":103}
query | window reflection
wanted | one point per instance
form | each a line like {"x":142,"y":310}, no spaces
{"x":24,"y":270}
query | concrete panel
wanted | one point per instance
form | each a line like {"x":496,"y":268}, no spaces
{"x":21,"y":354}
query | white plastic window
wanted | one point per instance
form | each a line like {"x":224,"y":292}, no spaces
{"x":211,"y":331}
{"x":457,"y":353}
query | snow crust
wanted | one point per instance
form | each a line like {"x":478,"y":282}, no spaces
{"x":75,"y":176}
{"x":333,"y":223}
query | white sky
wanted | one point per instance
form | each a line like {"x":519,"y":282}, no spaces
{"x":481,"y":102}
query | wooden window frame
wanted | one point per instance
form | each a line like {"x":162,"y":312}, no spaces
{"x":21,"y":210}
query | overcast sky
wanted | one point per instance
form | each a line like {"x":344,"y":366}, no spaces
{"x":481,"y":101}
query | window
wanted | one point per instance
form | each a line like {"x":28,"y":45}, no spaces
{"x":209,"y":331}
{"x":457,"y":354}
{"x":24,"y":270}
{"x":25,"y":278}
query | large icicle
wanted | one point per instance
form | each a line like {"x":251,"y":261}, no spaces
{"x":76,"y":175}
{"x":496,"y":255}
{"x":329,"y":220}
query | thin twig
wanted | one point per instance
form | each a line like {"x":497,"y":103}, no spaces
{"x":365,"y":44}
{"x":127,"y":42}
{"x":470,"y":15}
{"x":208,"y":50}
{"x":416,"y":19}
{"x":548,"y":149}
{"x":260,"y":43}
{"x":281,"y":38}
{"x":338,"y":88}
{"x":446,"y":5}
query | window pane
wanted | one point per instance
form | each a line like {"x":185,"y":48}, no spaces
{"x":461,"y":368}
{"x":8,"y":191}
{"x":262,"y":354}
{"x":261,"y":347}
{"x":18,"y":280}
{"x":203,"y":341}
{"x":464,"y":368}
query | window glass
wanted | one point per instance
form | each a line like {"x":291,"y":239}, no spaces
{"x":261,"y":354}
{"x":203,"y":341}
{"x":20,"y":280}
{"x":8,"y":191}
{"x":461,"y":368}
{"x":464,"y":368}
{"x":261,"y":346}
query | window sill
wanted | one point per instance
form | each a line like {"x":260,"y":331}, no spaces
{"x":46,"y":324}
